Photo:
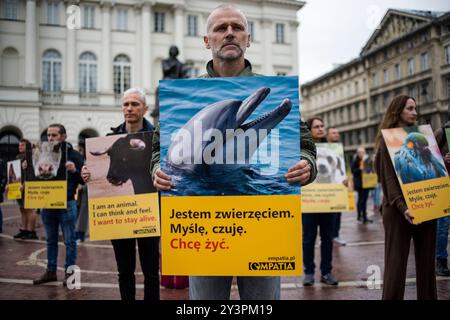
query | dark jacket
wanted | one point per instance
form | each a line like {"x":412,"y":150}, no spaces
{"x":308,"y":148}
{"x":74,"y":178}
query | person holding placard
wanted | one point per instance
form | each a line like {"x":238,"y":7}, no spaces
{"x":134,"y":108}
{"x":66,"y":218}
{"x":227,"y":37}
{"x":311,"y":222}
{"x":398,"y":223}
{"x":443,"y":223}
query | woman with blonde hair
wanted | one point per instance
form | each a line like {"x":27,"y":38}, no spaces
{"x":398,"y":223}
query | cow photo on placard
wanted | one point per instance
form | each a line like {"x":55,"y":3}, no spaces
{"x":46,"y":161}
{"x":120,"y":165}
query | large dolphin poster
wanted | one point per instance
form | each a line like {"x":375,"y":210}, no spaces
{"x":227,"y":144}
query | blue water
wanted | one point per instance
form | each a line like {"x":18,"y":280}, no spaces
{"x":180,"y":100}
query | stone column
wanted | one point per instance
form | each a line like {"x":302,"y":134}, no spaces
{"x":179,"y":27}
{"x":106,"y":85}
{"x":30,"y":43}
{"x":146,"y":57}
{"x":268,"y":36}
{"x":294,"y":45}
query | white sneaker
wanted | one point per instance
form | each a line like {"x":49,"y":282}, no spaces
{"x":340,"y":241}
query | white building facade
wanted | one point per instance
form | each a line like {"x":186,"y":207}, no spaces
{"x":50,"y":72}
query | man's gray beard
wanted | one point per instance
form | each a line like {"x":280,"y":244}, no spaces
{"x":230,"y":59}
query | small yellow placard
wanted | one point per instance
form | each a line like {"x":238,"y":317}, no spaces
{"x":351,"y":201}
{"x":324,"y":197}
{"x":121,"y":217}
{"x":428,"y":200}
{"x":369,"y":180}
{"x":232,"y":235}
{"x":46,"y":194}
{"x":14,"y":191}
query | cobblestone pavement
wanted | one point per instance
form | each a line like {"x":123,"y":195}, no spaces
{"x":23,"y":260}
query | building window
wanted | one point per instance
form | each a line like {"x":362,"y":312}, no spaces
{"x":447,"y":54}
{"x":88,"y":17}
{"x":159,"y":21}
{"x":424,"y":61}
{"x":279,"y":33}
{"x":122,"y":20}
{"x":411,"y":67}
{"x":448,"y":87}
{"x":412,"y":92}
{"x":425,"y":91}
{"x":251,"y":30}
{"x":122,"y":74}
{"x":385,"y":101}
{"x":51,"y":71}
{"x":356,"y":87}
{"x":397,"y":72}
{"x":374,"y":79}
{"x":10,"y":9}
{"x":281,"y":73}
{"x":386,"y":75}
{"x":88,"y":73}
{"x":192,"y":25}
{"x":53,"y":13}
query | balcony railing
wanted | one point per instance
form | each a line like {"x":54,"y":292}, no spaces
{"x":89,"y":98}
{"x":51,"y":97}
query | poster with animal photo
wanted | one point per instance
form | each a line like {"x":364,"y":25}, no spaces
{"x":420,"y":171}
{"x":368,"y":176}
{"x":123,"y":203}
{"x":14,"y":176}
{"x":227,"y":144}
{"x":46,"y":175}
{"x":328,"y":192}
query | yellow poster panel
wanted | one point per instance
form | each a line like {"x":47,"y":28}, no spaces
{"x":428,"y":200}
{"x":351,"y":201}
{"x":45,"y":194}
{"x":232,"y":235}
{"x":369,"y":180}
{"x":14,"y":191}
{"x":122,"y":217}
{"x":324,"y":197}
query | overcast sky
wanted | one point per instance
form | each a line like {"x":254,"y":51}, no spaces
{"x":334,"y":31}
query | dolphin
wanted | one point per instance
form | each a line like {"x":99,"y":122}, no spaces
{"x":215,"y":125}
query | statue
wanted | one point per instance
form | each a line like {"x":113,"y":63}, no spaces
{"x":172,"y":67}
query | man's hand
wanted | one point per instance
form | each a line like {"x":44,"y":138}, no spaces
{"x":408,"y":217}
{"x":70,"y":166}
{"x":300,"y":172}
{"x":447,"y":157}
{"x":345,"y":182}
{"x":85,"y":174}
{"x":162,"y":181}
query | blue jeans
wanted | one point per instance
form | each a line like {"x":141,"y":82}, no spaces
{"x":66,"y":218}
{"x":326,"y":222}
{"x":219,"y":288}
{"x":442,"y":237}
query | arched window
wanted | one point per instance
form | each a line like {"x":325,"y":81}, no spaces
{"x":9,"y":145}
{"x":51,"y":71}
{"x":122,"y":73}
{"x":88,"y":72}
